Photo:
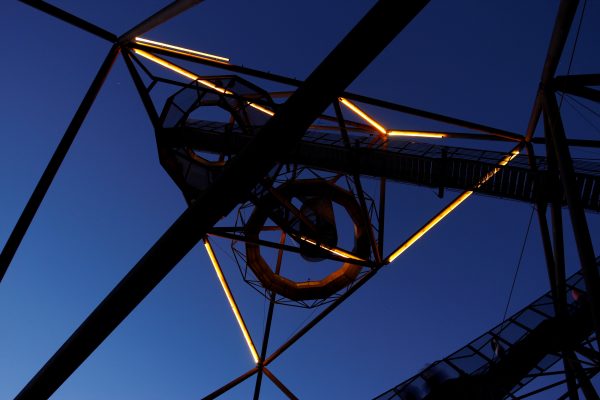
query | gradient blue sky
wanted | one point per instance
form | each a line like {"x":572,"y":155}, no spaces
{"x":111,"y":199}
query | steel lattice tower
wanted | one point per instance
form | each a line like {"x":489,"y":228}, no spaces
{"x":302,"y":195}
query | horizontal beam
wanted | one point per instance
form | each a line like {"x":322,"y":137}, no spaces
{"x":353,"y":96}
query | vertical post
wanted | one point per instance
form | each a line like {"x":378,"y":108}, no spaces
{"x":265,"y":342}
{"x":576,"y":211}
{"x":33,"y":204}
{"x":354,"y":161}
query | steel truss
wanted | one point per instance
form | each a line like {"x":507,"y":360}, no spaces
{"x":255,"y":169}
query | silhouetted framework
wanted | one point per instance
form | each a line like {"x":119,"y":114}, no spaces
{"x":284,"y":165}
{"x":515,"y":355}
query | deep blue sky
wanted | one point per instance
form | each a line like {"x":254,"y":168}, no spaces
{"x":112,"y":200}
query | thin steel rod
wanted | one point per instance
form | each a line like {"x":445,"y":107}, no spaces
{"x":369,"y":37}
{"x":319,"y":317}
{"x":286,"y":247}
{"x":71,"y":19}
{"x":33,"y":204}
{"x":280,"y":385}
{"x":163,"y":15}
{"x":265,"y":341}
{"x":231,"y":384}
{"x":381,"y":222}
{"x":142,"y":90}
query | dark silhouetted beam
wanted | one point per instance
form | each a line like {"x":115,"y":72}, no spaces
{"x":579,"y":223}
{"x":368,"y":38}
{"x":18,"y":232}
{"x":71,"y":19}
{"x":580,"y":80}
{"x":581,"y":91}
{"x":168,"y":12}
{"x":280,"y":385}
{"x":560,"y":33}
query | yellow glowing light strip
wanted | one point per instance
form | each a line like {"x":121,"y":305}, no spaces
{"x":363,"y":115}
{"x":449,"y":208}
{"x":231,"y":300}
{"x":183,"y":50}
{"x":195,"y":77}
{"x":333,"y":250}
{"x":417,"y":134}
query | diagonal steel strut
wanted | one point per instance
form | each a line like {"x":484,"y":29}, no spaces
{"x":368,"y":38}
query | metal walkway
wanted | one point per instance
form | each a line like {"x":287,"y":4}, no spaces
{"x":502,"y":361}
{"x":401,"y":160}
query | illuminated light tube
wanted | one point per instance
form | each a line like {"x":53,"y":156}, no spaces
{"x":493,"y":172}
{"x":436,"y":135}
{"x":363,"y":115}
{"x":260,"y":108}
{"x":450,"y":207}
{"x":333,"y":250}
{"x":182,"y":50}
{"x":427,"y":227}
{"x":232,"y":303}
{"x":195,"y":77}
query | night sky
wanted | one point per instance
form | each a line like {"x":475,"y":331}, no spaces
{"x":111,"y":200}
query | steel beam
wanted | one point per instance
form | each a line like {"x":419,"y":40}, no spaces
{"x":368,"y":38}
{"x":280,"y":385}
{"x":18,"y":232}
{"x":579,"y":80}
{"x":500,"y":133}
{"x":581,"y":231}
{"x":168,"y":12}
{"x":580,"y":91}
{"x":71,"y":19}
{"x":562,"y":26}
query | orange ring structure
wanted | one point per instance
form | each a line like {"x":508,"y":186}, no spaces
{"x":306,"y":290}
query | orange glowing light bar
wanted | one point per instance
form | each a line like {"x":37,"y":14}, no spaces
{"x":436,"y":135}
{"x":363,"y":115}
{"x":181,"y":50}
{"x":232,"y":303}
{"x":191,"y":75}
{"x":333,"y":250}
{"x":493,"y":172}
{"x":449,"y":208}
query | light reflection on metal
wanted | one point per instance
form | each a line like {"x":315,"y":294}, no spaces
{"x":331,"y":249}
{"x":181,"y":50}
{"x":363,"y":115}
{"x":436,"y":135}
{"x":191,"y":75}
{"x":450,"y":207}
{"x":232,"y":303}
